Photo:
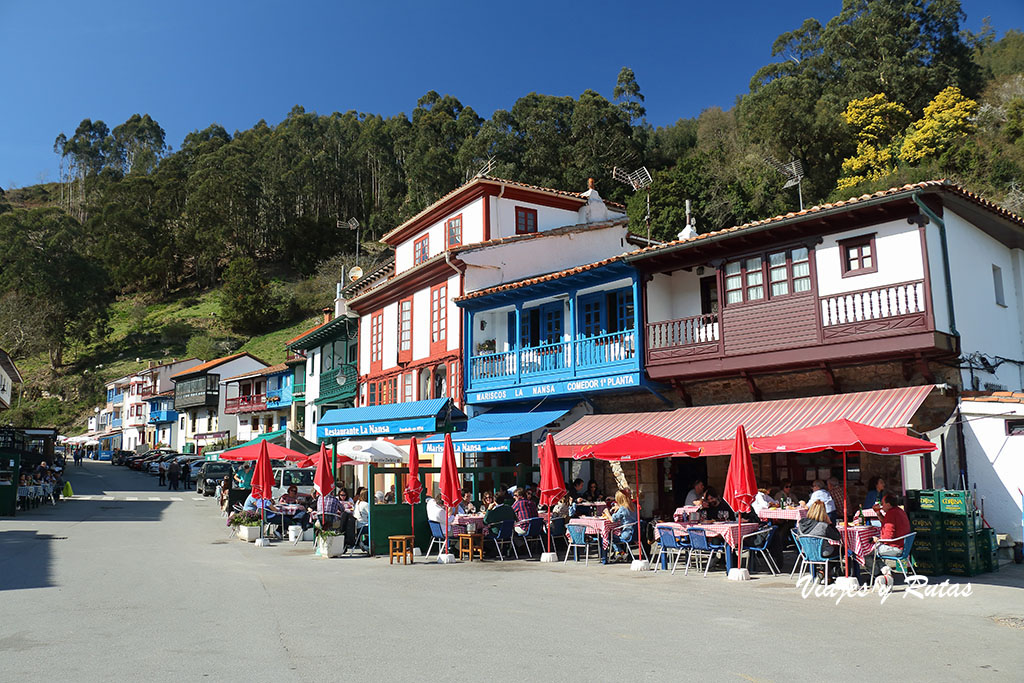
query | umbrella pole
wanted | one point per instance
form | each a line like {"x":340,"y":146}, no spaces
{"x":446,"y":516}
{"x":639,"y":541}
{"x":846,"y":519}
{"x":549,"y":528}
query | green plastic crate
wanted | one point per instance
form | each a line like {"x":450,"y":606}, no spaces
{"x":925,"y":522}
{"x":961,"y":543}
{"x":930,"y":565}
{"x":963,"y":563}
{"x":956,"y":502}
{"x":928,"y":499}
{"x":928,"y":544}
{"x":912,"y":501}
{"x":955,"y":523}
{"x":987,"y":541}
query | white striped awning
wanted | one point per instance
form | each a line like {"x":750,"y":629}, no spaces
{"x":714,"y":427}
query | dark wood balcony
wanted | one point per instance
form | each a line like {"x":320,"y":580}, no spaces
{"x":245,"y":404}
{"x":798,"y":330}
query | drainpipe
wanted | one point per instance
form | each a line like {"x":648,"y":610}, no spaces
{"x":945,"y":257}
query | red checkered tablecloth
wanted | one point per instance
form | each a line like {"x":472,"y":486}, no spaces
{"x":596,"y":525}
{"x":682,"y":514}
{"x":727,"y":530}
{"x":291,"y":509}
{"x":461,"y":522}
{"x":792,"y":514}
{"x":858,"y":538}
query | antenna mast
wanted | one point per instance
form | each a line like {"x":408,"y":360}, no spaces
{"x":640,"y":179}
{"x":794,"y":172}
{"x":352,"y":224}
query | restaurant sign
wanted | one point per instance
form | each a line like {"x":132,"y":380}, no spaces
{"x":572,"y":386}
{"x":413,"y":425}
{"x":488,"y":446}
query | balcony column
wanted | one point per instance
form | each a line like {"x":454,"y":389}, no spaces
{"x":468,"y":336}
{"x":638,"y":343}
{"x":517,"y":337}
{"x":572,"y":332}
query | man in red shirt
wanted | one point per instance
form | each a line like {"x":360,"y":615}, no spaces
{"x":895,"y":524}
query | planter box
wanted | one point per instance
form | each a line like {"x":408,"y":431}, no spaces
{"x":329,"y":546}
{"x":248,"y":533}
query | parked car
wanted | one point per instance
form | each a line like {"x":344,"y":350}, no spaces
{"x":120,"y":456}
{"x":302,"y":477}
{"x":210,"y":474}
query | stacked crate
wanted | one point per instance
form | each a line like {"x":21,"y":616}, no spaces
{"x":961,"y":525}
{"x":926,"y":520}
{"x":950,"y":538}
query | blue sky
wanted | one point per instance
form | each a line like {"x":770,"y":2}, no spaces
{"x":189,"y":64}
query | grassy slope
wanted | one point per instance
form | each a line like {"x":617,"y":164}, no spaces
{"x":156,"y":332}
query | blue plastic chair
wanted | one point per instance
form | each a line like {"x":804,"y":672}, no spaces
{"x":798,"y":563}
{"x":699,"y":544}
{"x":903,"y":559}
{"x":557,"y":531}
{"x":670,"y":544}
{"x":626,"y":539}
{"x":811,"y":547}
{"x":504,"y":534}
{"x":759,"y":542}
{"x":436,"y":536}
{"x":534,"y":532}
{"x":578,"y":539}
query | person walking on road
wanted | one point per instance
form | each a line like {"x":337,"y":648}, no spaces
{"x":161,"y":469}
{"x":186,"y":475}
{"x":173,"y":473}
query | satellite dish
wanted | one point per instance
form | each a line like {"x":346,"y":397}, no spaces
{"x":355,"y":273}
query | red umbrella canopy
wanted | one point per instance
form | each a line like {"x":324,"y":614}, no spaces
{"x":323,"y":478}
{"x":262,"y":476}
{"x":413,"y":486}
{"x":552,"y":486}
{"x":740,"y":485}
{"x":451,"y":489}
{"x":844,"y":435}
{"x":253,"y":451}
{"x":637,"y":446}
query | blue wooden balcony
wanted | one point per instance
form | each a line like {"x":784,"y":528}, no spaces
{"x":589,"y":357}
{"x":115,"y":423}
{"x":161,"y":416}
{"x":117,"y":399}
{"x":280,"y":398}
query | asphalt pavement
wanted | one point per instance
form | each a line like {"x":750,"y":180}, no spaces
{"x":128,"y":581}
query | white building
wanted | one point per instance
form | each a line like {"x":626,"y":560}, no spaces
{"x":8,"y":376}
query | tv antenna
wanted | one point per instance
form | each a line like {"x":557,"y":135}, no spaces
{"x":640,"y":179}
{"x":352,"y":224}
{"x":486,"y":169}
{"x":794,"y":172}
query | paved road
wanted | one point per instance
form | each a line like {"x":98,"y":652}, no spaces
{"x":128,"y":582}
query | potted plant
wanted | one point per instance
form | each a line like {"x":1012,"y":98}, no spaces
{"x":328,"y":543}
{"x":246,"y":525}
{"x":486,"y":346}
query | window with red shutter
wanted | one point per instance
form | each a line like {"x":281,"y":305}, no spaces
{"x":526,"y":220}
{"x":453,"y":231}
{"x":420,"y":250}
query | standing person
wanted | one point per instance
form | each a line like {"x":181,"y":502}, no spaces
{"x":173,"y":473}
{"x":161,"y":469}
{"x":186,"y":475}
{"x":243,"y":477}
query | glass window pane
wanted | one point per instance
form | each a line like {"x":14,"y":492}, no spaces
{"x":854,"y":263}
{"x":755,"y":278}
{"x":733,"y":282}
{"x":867,"y":261}
{"x":800,"y":254}
{"x":753,"y":263}
{"x":777,"y":259}
{"x":802,"y":284}
{"x":778,"y":274}
{"x":865,"y":250}
{"x":780,"y":288}
{"x":801,"y":269}
{"x":755,"y":293}
{"x":734,"y":297}
{"x":732,"y":268}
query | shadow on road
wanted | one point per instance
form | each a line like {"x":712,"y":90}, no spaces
{"x":26,"y":560}
{"x":97,"y":511}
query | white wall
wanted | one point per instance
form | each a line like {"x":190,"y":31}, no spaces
{"x":421,"y":323}
{"x":898,"y":254}
{"x":472,"y":231}
{"x":389,"y":346}
{"x":674,"y":296}
{"x":503,"y":217}
{"x":984,"y":326}
{"x":994,"y":463}
{"x":5,"y":388}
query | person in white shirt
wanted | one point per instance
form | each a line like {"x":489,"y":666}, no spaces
{"x":762,"y":501}
{"x":361,"y":511}
{"x":435,"y":511}
{"x":696,"y":493}
{"x":820,"y":493}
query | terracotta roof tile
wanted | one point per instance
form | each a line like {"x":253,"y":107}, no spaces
{"x":303,"y":334}
{"x":280,"y":367}
{"x":993,"y":396}
{"x":540,"y":278}
{"x":209,"y":365}
{"x":852,"y":202}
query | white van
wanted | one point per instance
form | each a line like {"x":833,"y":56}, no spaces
{"x":302,"y":477}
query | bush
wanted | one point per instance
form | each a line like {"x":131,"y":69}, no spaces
{"x":202,"y":346}
{"x":246,"y":303}
{"x":176,"y":332}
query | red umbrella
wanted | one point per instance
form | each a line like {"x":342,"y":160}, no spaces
{"x":637,"y":446}
{"x":413,"y":486}
{"x":552,"y":485}
{"x":262,"y":482}
{"x":323,"y":478}
{"x":451,"y":489}
{"x":253,"y":451}
{"x":845,"y":436}
{"x":740,"y":485}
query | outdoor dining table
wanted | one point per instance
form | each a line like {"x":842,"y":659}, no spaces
{"x":794,"y":514}
{"x":460,"y":525}
{"x":682,"y":514}
{"x":596,"y":508}
{"x":289,"y":510}
{"x":859,"y":539}
{"x":727,"y":530}
{"x":600,"y":526}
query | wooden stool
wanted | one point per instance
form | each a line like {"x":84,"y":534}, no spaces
{"x":471,"y":544}
{"x":400,"y":547}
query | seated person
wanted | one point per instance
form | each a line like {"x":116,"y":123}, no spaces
{"x":715,"y":508}
{"x":361,"y":515}
{"x":332,"y":516}
{"x":817,"y":523}
{"x":501,"y":512}
{"x":487,"y":501}
{"x":271,"y":514}
{"x":346,"y":503}
{"x":696,"y":493}
{"x":818,"y":492}
{"x":437,"y":513}
{"x":895,"y":524}
{"x":465,"y":506}
{"x":577,"y":492}
{"x":524,"y":508}
{"x":560,"y":510}
{"x":876,"y":491}
{"x":785,"y":496}
{"x":623,"y":515}
{"x":762,"y":501}
{"x":594,"y":495}
{"x":291,"y":497}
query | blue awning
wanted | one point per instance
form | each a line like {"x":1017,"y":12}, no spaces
{"x":413,"y":417}
{"x":493,"y":431}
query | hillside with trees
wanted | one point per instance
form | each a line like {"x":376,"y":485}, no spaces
{"x":146,"y":251}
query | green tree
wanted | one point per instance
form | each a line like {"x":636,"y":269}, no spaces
{"x":947,"y":119}
{"x":137,"y":144}
{"x":247,"y":304}
{"x":46,"y":265}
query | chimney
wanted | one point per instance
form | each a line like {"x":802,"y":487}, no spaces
{"x":595,"y":209}
{"x":327,"y":314}
{"x":590,"y":183}
{"x":690,"y":230}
